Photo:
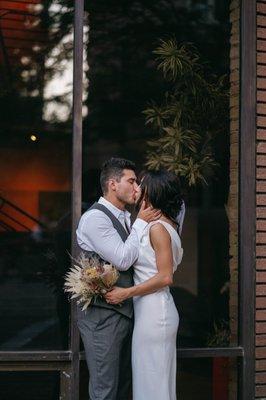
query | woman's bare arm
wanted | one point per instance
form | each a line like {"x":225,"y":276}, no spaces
{"x":161,"y":243}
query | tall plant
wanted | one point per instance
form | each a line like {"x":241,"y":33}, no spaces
{"x":193,"y":112}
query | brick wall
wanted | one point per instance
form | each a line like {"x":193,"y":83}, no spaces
{"x":261,"y":204}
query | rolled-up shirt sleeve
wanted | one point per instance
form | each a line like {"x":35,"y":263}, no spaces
{"x":97,"y":233}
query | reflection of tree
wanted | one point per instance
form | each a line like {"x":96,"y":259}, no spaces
{"x":122,"y":76}
{"x":192,"y":114}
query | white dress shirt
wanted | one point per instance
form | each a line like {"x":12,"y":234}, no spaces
{"x":96,"y":233}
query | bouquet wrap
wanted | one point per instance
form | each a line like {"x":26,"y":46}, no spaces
{"x":88,"y":278}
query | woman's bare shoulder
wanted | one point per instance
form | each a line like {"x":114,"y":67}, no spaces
{"x":159,"y":233}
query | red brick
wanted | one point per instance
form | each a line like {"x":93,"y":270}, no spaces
{"x":261,"y":301}
{"x":261,"y":161}
{"x":261,"y":238}
{"x":261,"y":278}
{"x":261,"y":225}
{"x":261,"y":45}
{"x":261,"y":33}
{"x":234,"y":52}
{"x":260,"y":390}
{"x":261,"y":57}
{"x":234,"y":4}
{"x":261,"y":212}
{"x":261,"y":173}
{"x":261,"y":107}
{"x":261,"y":134}
{"x":261,"y":328}
{"x":261,"y":341}
{"x":261,"y":186}
{"x":234,"y":64}
{"x":261,"y":148}
{"x":261,"y":199}
{"x":261,"y":263}
{"x":261,"y":20}
{"x":261,"y":316}
{"x":261,"y":95}
{"x":261,"y":121}
{"x":234,"y":15}
{"x":261,"y":291}
{"x":261,"y":7}
{"x":260,"y":377}
{"x":260,"y":352}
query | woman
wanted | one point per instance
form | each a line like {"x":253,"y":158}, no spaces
{"x":156,"y":317}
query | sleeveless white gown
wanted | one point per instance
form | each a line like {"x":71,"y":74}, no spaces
{"x":155,"y":327}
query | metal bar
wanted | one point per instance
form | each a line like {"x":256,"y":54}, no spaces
{"x":201,"y":352}
{"x":5,"y":201}
{"x":76,"y":176}
{"x":210,"y":352}
{"x":65,"y":383}
{"x":247,"y":198}
{"x":7,"y":227}
{"x":38,"y":356}
{"x":24,"y":2}
{"x":14,"y":220}
{"x":37,"y":366}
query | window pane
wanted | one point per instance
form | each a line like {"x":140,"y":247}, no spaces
{"x":197,"y":378}
{"x":29,"y":385}
{"x":35,"y":138}
{"x":207,"y":379}
{"x":125,"y":81}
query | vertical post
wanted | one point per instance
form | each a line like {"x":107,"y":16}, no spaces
{"x":247,"y":199}
{"x":76,"y":176}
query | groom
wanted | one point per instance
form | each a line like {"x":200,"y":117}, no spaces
{"x":106,"y":329}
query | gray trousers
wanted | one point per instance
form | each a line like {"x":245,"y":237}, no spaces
{"x":106,"y":335}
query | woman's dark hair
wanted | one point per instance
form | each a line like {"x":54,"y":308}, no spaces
{"x":113,"y":169}
{"x":162,"y":190}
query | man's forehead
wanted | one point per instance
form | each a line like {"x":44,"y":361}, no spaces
{"x":129,"y":173}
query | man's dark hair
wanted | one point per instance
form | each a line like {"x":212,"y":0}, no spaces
{"x":113,"y":169}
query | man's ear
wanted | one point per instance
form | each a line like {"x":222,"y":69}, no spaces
{"x":112,"y":185}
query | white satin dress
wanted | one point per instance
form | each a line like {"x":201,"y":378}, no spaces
{"x":155,"y":327}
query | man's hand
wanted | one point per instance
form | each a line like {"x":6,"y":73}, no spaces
{"x":148,"y":214}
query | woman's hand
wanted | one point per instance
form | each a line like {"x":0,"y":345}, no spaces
{"x":117,"y":295}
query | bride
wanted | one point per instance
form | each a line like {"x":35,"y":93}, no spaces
{"x":156,"y":317}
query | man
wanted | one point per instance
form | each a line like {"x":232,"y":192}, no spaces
{"x":106,"y":329}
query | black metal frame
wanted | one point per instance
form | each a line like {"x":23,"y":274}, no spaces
{"x":68,"y":362}
{"x":247,"y":197}
{"x":76,"y":176}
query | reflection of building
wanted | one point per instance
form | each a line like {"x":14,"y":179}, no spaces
{"x":35,"y":163}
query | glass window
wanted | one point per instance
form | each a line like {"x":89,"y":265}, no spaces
{"x":41,"y":385}
{"x":207,"y":379}
{"x":197,"y":378}
{"x":125,"y":81}
{"x":35,"y":163}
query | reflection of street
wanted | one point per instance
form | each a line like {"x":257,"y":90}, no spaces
{"x":30,"y":385}
{"x":27,"y":335}
{"x":29,"y":316}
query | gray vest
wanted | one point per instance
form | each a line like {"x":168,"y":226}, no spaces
{"x":125,"y":277}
